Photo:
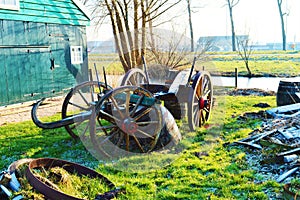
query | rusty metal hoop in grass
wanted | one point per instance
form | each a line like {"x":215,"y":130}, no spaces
{"x":51,"y":193}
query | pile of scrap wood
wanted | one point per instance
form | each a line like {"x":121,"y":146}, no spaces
{"x":278,"y":142}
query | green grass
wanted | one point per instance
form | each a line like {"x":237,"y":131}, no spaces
{"x":262,"y":63}
{"x":285,"y":68}
{"x":221,"y":173}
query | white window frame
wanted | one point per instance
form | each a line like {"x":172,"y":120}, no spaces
{"x":76,"y":54}
{"x":15,"y":6}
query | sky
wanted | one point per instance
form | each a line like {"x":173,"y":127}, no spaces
{"x":258,"y":18}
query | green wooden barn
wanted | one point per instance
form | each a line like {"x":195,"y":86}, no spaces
{"x":43,"y":48}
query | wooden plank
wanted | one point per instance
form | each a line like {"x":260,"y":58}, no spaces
{"x":284,"y":109}
{"x":180,"y":79}
{"x":286,"y":174}
{"x":255,"y":138}
{"x":250,"y":144}
{"x":289,"y":152}
{"x":262,"y":135}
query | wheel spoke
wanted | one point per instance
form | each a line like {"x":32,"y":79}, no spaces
{"x":107,"y":127}
{"x":129,"y":82}
{"x":136,"y":105}
{"x":206,"y":110}
{"x":110,"y":116}
{"x":135,"y":79}
{"x":196,"y":101}
{"x":146,"y":123}
{"x":138,"y":143}
{"x":116,"y":106}
{"x":205,"y":83}
{"x":132,"y":80}
{"x":199,"y":88}
{"x":120,"y":139}
{"x":145,"y":112}
{"x":145,"y":134}
{"x":207,"y":115}
{"x":84,"y":131}
{"x":127,"y":103}
{"x":78,"y":106}
{"x":202,"y":117}
{"x":127,"y":141}
{"x":92,"y":94}
{"x":206,"y":94}
{"x":107,"y":138}
{"x":84,"y":99}
{"x":77,"y":123}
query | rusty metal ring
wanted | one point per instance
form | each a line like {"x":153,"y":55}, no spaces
{"x":69,"y":166}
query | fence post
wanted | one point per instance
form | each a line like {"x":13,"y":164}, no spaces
{"x":236,"y":77}
{"x":90,"y":75}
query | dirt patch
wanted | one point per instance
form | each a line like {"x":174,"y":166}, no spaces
{"x":22,"y":112}
{"x":248,"y":92}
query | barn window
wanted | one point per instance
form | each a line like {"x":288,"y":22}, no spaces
{"x":76,"y":55}
{"x":10,"y":4}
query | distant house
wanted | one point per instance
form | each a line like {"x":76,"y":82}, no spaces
{"x":43,"y":48}
{"x":102,"y":47}
{"x":219,"y":43}
{"x":224,"y":43}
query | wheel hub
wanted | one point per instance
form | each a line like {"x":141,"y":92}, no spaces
{"x":129,"y":126}
{"x":202,"y":103}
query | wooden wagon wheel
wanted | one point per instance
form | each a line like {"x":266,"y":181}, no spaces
{"x":200,"y":100}
{"x":79,"y":100}
{"x":128,"y":120}
{"x":135,"y":77}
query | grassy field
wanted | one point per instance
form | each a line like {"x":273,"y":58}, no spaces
{"x":208,"y":168}
{"x":262,"y":63}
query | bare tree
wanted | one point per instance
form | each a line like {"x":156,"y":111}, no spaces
{"x":245,"y":50}
{"x":171,"y":48}
{"x":204,"y":45}
{"x":130,"y":21}
{"x":190,"y":24}
{"x":231,"y":4}
{"x":281,"y":13}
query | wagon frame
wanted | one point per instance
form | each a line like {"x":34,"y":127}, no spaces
{"x":130,"y":116}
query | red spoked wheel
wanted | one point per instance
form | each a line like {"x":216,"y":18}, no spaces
{"x":200,"y":100}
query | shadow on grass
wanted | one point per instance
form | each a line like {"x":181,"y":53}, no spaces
{"x":25,"y":140}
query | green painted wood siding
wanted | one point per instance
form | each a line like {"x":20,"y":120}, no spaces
{"x":47,"y":11}
{"x":25,"y":67}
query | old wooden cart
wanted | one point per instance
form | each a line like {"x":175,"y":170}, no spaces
{"x":131,"y":116}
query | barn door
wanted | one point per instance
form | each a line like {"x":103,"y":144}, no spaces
{"x":25,"y":74}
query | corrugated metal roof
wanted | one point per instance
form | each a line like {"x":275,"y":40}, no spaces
{"x":49,"y":11}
